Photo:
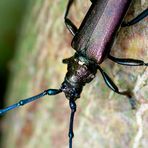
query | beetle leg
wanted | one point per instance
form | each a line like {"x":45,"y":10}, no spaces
{"x":128,"y":62}
{"x":28,"y":100}
{"x":73,"y":107}
{"x":113,"y":87}
{"x":67,"y":60}
{"x":69,"y":24}
{"x":92,"y":1}
{"x":136,"y":19}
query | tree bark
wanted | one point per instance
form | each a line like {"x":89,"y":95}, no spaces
{"x":103,"y":119}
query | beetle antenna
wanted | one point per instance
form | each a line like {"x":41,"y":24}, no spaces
{"x":73,"y":107}
{"x":28,"y":100}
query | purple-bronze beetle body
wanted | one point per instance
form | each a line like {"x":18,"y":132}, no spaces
{"x":92,"y":42}
{"x":99,"y":27}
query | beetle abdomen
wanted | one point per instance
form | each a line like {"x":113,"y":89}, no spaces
{"x":97,"y":31}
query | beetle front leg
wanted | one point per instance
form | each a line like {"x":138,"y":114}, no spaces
{"x":69,"y":24}
{"x":128,"y":62}
{"x":136,"y":19}
{"x":92,"y":1}
{"x":113,"y":87}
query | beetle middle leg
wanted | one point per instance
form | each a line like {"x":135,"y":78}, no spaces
{"x":113,"y":87}
{"x":136,"y":19}
{"x":69,"y":24}
{"x":128,"y":62}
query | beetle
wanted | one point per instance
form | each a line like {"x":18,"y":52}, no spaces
{"x":92,"y":41}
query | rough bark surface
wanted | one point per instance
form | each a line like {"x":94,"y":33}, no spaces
{"x":103,"y":119}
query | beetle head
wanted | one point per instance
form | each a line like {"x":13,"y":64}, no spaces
{"x":79,"y":72}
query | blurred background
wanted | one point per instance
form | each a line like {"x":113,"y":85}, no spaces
{"x":11,"y":16}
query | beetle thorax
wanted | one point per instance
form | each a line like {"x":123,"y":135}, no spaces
{"x":80,"y":71}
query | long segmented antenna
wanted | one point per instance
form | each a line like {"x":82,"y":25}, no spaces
{"x":73,"y":107}
{"x":28,"y":100}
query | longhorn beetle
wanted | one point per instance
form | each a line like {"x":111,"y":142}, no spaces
{"x":92,"y":42}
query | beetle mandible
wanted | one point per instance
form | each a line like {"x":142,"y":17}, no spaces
{"x":92,"y":41}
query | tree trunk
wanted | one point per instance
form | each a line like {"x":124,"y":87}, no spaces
{"x":103,"y":119}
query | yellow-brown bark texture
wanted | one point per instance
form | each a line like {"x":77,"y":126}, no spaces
{"x":103,"y":119}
